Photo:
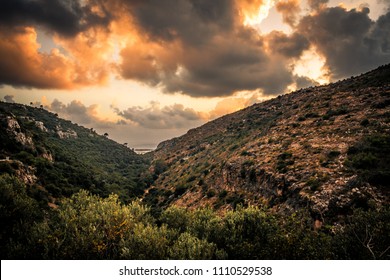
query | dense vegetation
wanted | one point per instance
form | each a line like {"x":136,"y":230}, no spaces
{"x":65,"y":164}
{"x":87,"y":226}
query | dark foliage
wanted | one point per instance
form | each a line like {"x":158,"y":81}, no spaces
{"x":370,"y":158}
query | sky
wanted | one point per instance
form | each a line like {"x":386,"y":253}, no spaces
{"x":145,"y":71}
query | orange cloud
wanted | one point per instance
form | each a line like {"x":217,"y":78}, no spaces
{"x":90,"y":55}
{"x":253,"y":12}
{"x":23,"y":65}
{"x":150,"y":62}
{"x":250,"y":8}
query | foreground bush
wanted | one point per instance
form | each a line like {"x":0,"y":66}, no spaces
{"x":87,"y":226}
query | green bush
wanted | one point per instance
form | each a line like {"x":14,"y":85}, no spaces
{"x":188,"y":247}
{"x":247,"y":234}
{"x":146,"y":242}
{"x":89,"y":227}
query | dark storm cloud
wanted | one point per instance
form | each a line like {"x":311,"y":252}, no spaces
{"x":289,"y":46}
{"x":212,"y":54}
{"x":192,"y":21}
{"x":236,"y":62}
{"x":349,"y":40}
{"x":380,"y":36}
{"x":66,"y":17}
{"x":218,"y":55}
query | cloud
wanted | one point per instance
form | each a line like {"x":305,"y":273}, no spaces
{"x":9,"y":99}
{"x":190,"y":21}
{"x":66,"y":17}
{"x":237,"y":102}
{"x":226,"y":64}
{"x":350,"y":41}
{"x":291,"y":46}
{"x":290,"y":11}
{"x":199,"y":48}
{"x":304,"y":82}
{"x":79,"y":113}
{"x":317,"y":4}
{"x":380,"y":35}
{"x":22,"y":65}
{"x":157,"y":117}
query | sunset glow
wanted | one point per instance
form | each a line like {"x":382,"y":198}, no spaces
{"x":254,"y":18}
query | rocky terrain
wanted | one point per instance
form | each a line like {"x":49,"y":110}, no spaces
{"x":324,"y":148}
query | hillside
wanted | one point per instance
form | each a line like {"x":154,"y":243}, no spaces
{"x":325,"y":149}
{"x":56,"y":158}
{"x":302,"y":176}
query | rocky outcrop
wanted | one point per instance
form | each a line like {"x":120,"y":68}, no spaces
{"x":14,"y":130}
{"x":24,"y":173}
{"x":41,"y":126}
{"x":65,"y":134}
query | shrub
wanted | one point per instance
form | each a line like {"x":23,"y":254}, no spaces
{"x":146,"y":242}
{"x":370,"y":159}
{"x":89,"y":227}
{"x":313,"y":183}
{"x":365,"y":235}
{"x":247,"y":234}
{"x":210,"y":193}
{"x":284,"y":160}
{"x":188,"y":247}
{"x":333,"y":154}
{"x":222,"y":194}
{"x":365,"y":122}
{"x":160,"y":166}
{"x":181,"y":189}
